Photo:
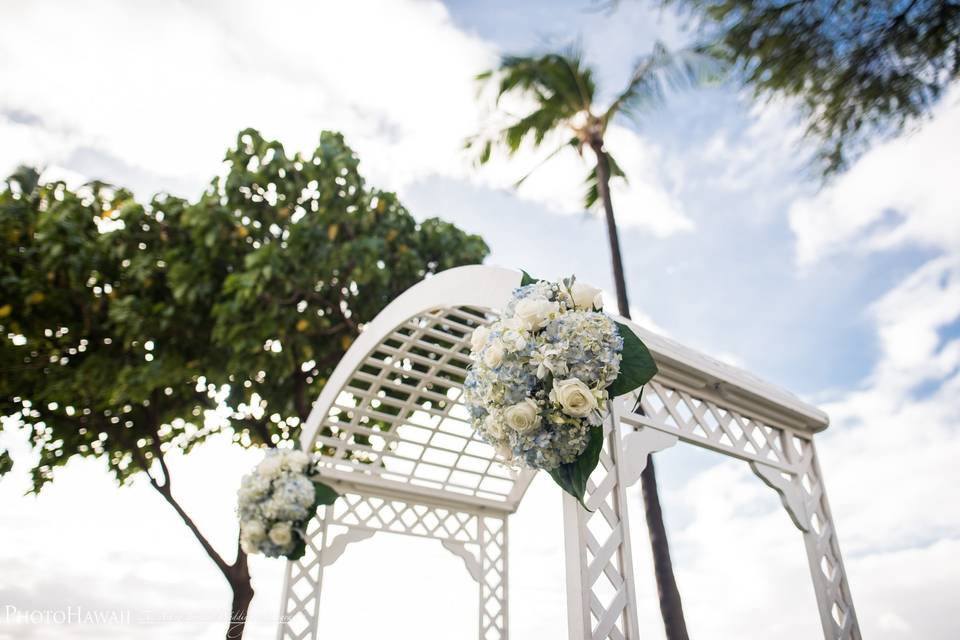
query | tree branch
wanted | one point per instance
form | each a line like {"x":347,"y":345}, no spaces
{"x":165,"y":491}
{"x":218,"y":560}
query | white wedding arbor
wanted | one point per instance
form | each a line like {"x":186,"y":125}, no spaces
{"x":395,"y":441}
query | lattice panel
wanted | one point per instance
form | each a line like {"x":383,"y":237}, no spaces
{"x":302,"y":586}
{"x":706,"y":423}
{"x":837,"y":615}
{"x":602,"y":542}
{"x":402,"y":516}
{"x":493,"y":578}
{"x":401,"y":417}
{"x":480,"y":540}
{"x":792,"y":470}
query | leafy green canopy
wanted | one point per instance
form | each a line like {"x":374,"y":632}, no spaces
{"x":859,"y":67}
{"x":121,"y":324}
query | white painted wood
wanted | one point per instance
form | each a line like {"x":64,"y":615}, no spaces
{"x":783,"y":457}
{"x":484,"y":287}
{"x":338,"y":545}
{"x":575,"y":560}
{"x":460,"y":550}
{"x":395,"y":440}
{"x":601,"y":598}
{"x":791,"y":495}
{"x":494,"y":602}
{"x":639,"y":444}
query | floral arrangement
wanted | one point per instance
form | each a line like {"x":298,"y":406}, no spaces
{"x":276,"y":501}
{"x":541,"y":375}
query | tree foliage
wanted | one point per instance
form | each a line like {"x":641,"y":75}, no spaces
{"x":123,"y":323}
{"x":859,"y":67}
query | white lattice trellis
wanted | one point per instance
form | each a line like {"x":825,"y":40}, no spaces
{"x":394,"y":438}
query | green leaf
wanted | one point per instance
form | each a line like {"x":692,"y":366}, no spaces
{"x":527,"y":279}
{"x":300,"y":548}
{"x":572,"y":476}
{"x":6,"y":462}
{"x":637,"y":367}
{"x":323,"y":495}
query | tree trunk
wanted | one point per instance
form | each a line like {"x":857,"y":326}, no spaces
{"x":239,"y":579}
{"x":671,"y":607}
{"x":237,"y":574}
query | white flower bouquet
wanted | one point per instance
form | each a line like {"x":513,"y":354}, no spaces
{"x":541,"y":375}
{"x":276,"y":501}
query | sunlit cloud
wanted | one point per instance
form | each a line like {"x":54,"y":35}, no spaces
{"x":164,"y":88}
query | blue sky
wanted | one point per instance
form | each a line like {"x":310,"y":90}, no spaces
{"x":741,"y":256}
{"x":848,"y":294}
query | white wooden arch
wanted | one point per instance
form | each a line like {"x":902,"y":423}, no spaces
{"x":394,"y":439}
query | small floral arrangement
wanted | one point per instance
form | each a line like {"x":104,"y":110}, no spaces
{"x":541,"y":375}
{"x":276,"y":501}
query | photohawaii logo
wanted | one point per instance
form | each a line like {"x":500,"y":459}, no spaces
{"x":78,"y":615}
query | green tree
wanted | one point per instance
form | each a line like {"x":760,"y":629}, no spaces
{"x":858,"y":68}
{"x":122,"y":323}
{"x":560,"y":94}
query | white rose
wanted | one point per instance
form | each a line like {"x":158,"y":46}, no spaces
{"x":479,"y":338}
{"x":254,"y":531}
{"x":281,"y":534}
{"x":523,"y":416}
{"x":574,"y":397}
{"x":493,"y":355}
{"x":512,"y":324}
{"x":586,"y":297}
{"x":535,"y":312}
{"x":270,"y":466}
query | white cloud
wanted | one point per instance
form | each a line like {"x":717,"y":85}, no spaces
{"x":910,"y":320}
{"x":895,"y":436}
{"x":31,"y":145}
{"x":165,"y":88}
{"x":902,"y":192}
{"x":771,"y":143}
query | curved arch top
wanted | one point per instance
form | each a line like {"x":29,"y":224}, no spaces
{"x":476,"y":286}
{"x":487,"y":287}
{"x":392,"y":412}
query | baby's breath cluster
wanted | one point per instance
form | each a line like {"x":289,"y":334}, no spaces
{"x":539,"y":375}
{"x":275,"y":502}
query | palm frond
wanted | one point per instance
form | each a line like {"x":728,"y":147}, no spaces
{"x":538,"y":124}
{"x":554,"y":86}
{"x":659,"y":71}
{"x":559,"y":79}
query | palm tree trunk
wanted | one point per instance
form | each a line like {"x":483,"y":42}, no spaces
{"x":671,"y":607}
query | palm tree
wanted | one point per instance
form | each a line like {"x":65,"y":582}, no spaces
{"x":561,"y":92}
